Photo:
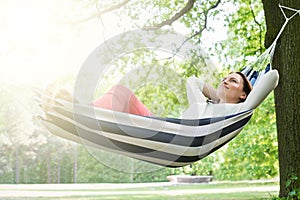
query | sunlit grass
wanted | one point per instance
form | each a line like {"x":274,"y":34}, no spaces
{"x":227,"y":190}
{"x":226,"y":196}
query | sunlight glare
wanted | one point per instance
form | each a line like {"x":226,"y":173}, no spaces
{"x":26,"y":23}
{"x":39,"y":42}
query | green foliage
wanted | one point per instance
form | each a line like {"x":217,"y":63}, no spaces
{"x":293,"y":191}
{"x":93,"y":170}
{"x":152,"y":97}
{"x":148,"y":13}
{"x":246,"y":31}
{"x":195,"y":19}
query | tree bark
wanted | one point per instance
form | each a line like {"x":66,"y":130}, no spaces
{"x":17,"y":166}
{"x":75,"y":164}
{"x":58,"y":171}
{"x":287,"y":101}
{"x":49,"y":169}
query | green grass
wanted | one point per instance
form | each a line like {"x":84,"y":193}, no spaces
{"x":241,"y":196}
{"x":212,"y":191}
{"x":230,"y":196}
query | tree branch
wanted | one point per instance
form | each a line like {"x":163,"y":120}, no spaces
{"x":205,"y":19}
{"x":183,"y":11}
{"x":260,"y":29}
{"x":111,"y":8}
{"x":200,"y":31}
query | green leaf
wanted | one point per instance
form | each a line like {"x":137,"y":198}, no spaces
{"x":292,"y":193}
{"x":288,"y":183}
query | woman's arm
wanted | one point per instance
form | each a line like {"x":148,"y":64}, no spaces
{"x":261,"y":90}
{"x":198,"y":91}
{"x":210,"y":92}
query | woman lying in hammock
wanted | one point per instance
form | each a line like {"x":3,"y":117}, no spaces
{"x":232,"y":96}
{"x":233,"y":89}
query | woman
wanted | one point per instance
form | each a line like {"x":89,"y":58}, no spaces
{"x":233,"y":95}
{"x":233,"y":89}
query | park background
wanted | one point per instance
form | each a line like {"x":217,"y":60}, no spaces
{"x":46,"y":42}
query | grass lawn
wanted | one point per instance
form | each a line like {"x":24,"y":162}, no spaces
{"x":152,"y":191}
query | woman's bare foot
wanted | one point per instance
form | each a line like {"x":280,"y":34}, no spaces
{"x":51,"y":96}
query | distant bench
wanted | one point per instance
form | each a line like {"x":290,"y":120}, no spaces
{"x":189,"y":179}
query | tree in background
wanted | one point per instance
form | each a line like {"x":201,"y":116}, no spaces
{"x":287,"y":61}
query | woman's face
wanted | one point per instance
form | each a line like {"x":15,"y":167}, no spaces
{"x":231,"y":89}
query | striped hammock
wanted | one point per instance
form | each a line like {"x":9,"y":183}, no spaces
{"x":170,"y":142}
{"x":165,"y":141}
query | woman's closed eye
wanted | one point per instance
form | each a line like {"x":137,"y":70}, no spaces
{"x":234,"y":80}
{"x":230,"y":79}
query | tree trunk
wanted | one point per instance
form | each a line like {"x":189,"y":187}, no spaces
{"x":287,"y":94}
{"x":58,"y":171}
{"x":132,"y":172}
{"x":17,"y":166}
{"x":49,"y":169}
{"x":75,"y":164}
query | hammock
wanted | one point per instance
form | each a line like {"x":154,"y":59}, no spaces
{"x":170,"y":142}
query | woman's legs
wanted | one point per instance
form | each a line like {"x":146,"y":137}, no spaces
{"x":120,"y":98}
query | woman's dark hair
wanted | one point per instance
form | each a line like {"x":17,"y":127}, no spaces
{"x":247,"y":85}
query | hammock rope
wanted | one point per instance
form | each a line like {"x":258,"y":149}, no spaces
{"x":253,"y":72}
{"x":287,"y":19}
